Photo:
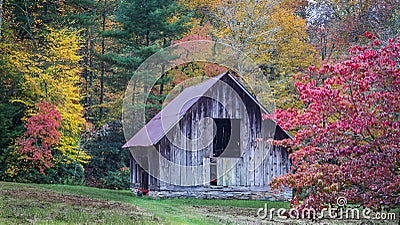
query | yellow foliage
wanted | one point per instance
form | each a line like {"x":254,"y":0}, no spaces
{"x":12,"y":171}
{"x":205,"y":4}
{"x":52,"y":74}
{"x":292,"y":50}
{"x":267,"y":31}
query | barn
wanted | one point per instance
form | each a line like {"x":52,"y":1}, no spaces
{"x":209,"y":142}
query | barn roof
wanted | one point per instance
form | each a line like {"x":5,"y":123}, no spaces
{"x":172,"y":113}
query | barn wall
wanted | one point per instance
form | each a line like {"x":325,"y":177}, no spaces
{"x":147,"y":164}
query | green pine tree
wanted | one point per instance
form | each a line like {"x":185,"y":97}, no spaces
{"x":146,"y":27}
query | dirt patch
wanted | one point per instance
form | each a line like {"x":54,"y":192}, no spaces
{"x":231,"y":215}
{"x":28,"y":205}
{"x":228,"y":211}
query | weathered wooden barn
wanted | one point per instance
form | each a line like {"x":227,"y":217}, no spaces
{"x":179,"y":154}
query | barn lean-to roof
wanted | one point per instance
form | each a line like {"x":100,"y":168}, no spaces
{"x":173,"y":112}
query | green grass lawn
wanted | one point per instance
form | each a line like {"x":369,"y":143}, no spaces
{"x":65,"y":204}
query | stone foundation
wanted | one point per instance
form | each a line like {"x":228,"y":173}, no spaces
{"x":220,"y":193}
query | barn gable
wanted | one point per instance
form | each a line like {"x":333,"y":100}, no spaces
{"x":241,"y":169}
{"x":151,"y":133}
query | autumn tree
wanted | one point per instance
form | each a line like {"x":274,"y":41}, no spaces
{"x":243,"y":25}
{"x":41,"y":136}
{"x":11,"y":126}
{"x":267,"y":31}
{"x":42,"y":59}
{"x":291,"y":53}
{"x":348,"y":134}
{"x":335,"y":25}
{"x":52,"y":74}
{"x":197,"y":32}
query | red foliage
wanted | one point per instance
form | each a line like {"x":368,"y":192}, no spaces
{"x":198,"y":33}
{"x":348,"y":135}
{"x":41,"y":135}
{"x":122,"y":169}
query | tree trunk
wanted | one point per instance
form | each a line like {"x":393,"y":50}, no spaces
{"x":85,"y":72}
{"x":102,"y":61}
{"x":147,"y":38}
{"x":91,"y":75}
{"x":1,"y":14}
{"x":162,"y":83}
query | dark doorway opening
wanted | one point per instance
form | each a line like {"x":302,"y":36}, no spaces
{"x":226,"y":142}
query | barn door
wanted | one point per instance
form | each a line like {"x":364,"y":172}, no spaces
{"x":143,"y":178}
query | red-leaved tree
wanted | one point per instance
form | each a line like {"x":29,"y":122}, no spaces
{"x":348,"y":135}
{"x":40,"y":136}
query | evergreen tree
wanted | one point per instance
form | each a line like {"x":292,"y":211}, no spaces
{"x":146,"y":27}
